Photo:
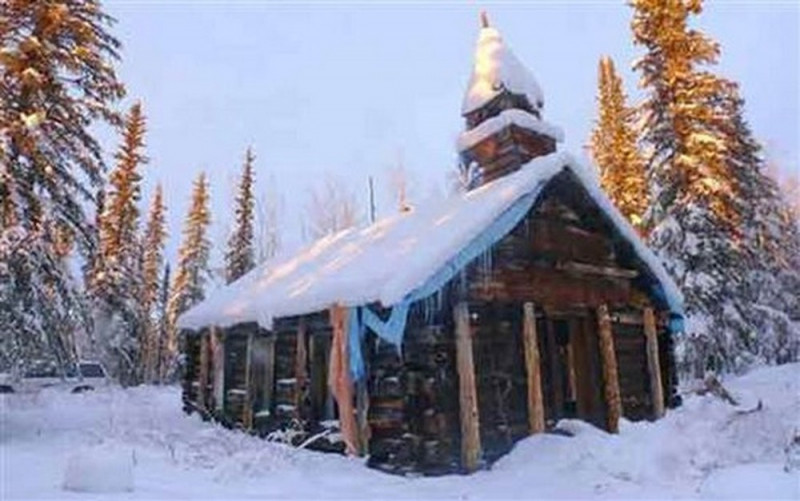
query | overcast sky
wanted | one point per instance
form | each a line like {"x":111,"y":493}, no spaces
{"x":350,"y":88}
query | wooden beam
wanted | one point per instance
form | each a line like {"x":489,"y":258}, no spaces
{"x":610,"y":373}
{"x":533,"y":367}
{"x":340,"y":381}
{"x":202,"y":390}
{"x":653,"y":364}
{"x":592,"y":269}
{"x":362,"y":411}
{"x":468,"y":396}
{"x":218,"y":352}
{"x":269,"y":376}
{"x":247,"y":408}
{"x":300,"y":369}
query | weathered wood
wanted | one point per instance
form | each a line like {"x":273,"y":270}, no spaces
{"x":653,"y":364}
{"x":362,"y":410}
{"x":301,"y":368}
{"x":591,"y":269}
{"x":202,"y":395}
{"x":218,"y":352}
{"x":269,"y":376}
{"x":247,"y":410}
{"x":533,"y":366}
{"x":470,"y":435}
{"x":609,"y":364}
{"x":339,"y":379}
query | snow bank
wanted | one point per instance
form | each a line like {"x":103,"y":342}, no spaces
{"x":705,"y":449}
{"x":362,"y":265}
{"x":100,"y":469}
{"x":521,"y":118}
{"x":497,"y":68}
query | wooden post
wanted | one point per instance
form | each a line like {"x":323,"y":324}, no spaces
{"x":610,"y":375}
{"x":468,"y":397}
{"x":533,"y":367}
{"x":362,"y":411}
{"x":247,"y":410}
{"x":269,"y":377}
{"x":340,"y":381}
{"x":653,"y":364}
{"x":218,"y":349}
{"x":300,"y":368}
{"x":202,"y":389}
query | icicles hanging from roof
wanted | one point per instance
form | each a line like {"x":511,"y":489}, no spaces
{"x":497,"y":68}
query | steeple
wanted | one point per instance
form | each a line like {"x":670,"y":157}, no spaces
{"x":502,"y":109}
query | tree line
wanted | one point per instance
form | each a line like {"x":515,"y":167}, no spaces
{"x":684,"y":167}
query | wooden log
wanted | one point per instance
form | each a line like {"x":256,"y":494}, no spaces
{"x":269,"y":376}
{"x":468,"y":397}
{"x":362,"y":411}
{"x":340,"y":381}
{"x":533,"y":367}
{"x":610,"y":375}
{"x":202,"y":391}
{"x":218,"y":352}
{"x":300,"y":368}
{"x":247,"y":408}
{"x":653,"y":364}
{"x":592,"y":269}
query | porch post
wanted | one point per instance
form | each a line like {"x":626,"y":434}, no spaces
{"x":218,"y":351}
{"x":202,"y":387}
{"x":653,"y":364}
{"x":300,"y":368}
{"x":532,"y":365}
{"x":468,"y":398}
{"x":247,"y":410}
{"x":610,"y":375}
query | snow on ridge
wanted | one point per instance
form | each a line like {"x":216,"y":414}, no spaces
{"x":521,"y":118}
{"x":497,"y":68}
{"x":395,"y":255}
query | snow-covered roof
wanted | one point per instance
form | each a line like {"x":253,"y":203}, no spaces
{"x":497,"y":68}
{"x":521,"y":118}
{"x":397,"y":255}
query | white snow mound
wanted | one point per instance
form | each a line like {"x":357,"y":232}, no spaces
{"x":497,"y":68}
{"x":99,"y":469}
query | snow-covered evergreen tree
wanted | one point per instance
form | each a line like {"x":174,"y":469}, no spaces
{"x":116,"y":280}
{"x":696,"y":209}
{"x":240,"y":257}
{"x":153,"y":262}
{"x":770,"y":240}
{"x":614,"y":147}
{"x":188,"y":287}
{"x":719,"y":222}
{"x":57,"y":80}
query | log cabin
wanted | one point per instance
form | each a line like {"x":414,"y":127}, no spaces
{"x":433,"y":340}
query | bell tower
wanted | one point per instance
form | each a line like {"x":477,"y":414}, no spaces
{"x":502,"y":109}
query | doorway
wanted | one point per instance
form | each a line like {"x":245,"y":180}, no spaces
{"x":571,"y":374}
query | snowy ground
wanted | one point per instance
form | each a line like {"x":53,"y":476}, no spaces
{"x":139,"y":440}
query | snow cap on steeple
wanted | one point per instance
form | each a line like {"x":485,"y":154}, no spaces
{"x":496,"y":68}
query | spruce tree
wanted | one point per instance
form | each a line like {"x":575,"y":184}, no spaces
{"x":56,"y":60}
{"x":696,"y":209}
{"x":240,"y":257}
{"x":153,"y":260}
{"x":188,"y":287}
{"x":614,"y":147}
{"x":116,"y":281}
{"x":770,"y":240}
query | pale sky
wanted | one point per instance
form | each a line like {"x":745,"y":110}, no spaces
{"x":347,"y":88}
